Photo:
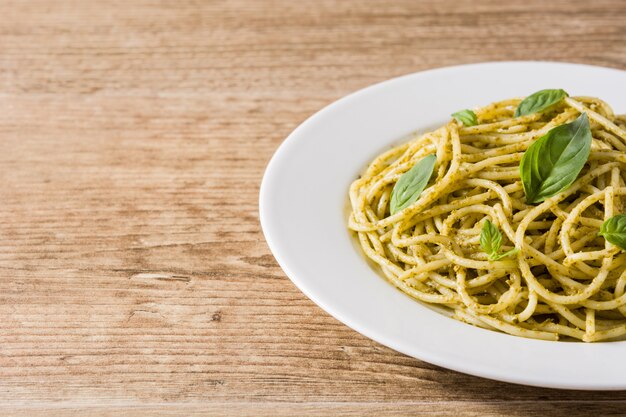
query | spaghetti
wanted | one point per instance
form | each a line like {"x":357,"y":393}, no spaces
{"x":563,"y":280}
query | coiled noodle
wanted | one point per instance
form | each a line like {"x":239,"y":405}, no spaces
{"x":565,"y":281}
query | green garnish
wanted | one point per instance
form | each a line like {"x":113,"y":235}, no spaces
{"x":412,"y":183}
{"x":491,"y":241}
{"x":552,"y":163}
{"x":539,"y":101}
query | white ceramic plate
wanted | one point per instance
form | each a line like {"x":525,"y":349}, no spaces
{"x":303,"y":214}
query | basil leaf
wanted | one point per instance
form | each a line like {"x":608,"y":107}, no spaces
{"x":467,"y":117}
{"x":491,"y":241}
{"x":490,"y":238}
{"x":614,"y":230}
{"x":538,"y":101}
{"x":412,"y":183}
{"x":552,"y":162}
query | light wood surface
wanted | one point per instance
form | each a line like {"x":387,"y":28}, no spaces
{"x":134,"y":278}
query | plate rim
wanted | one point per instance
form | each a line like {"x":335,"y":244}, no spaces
{"x":398,"y":346}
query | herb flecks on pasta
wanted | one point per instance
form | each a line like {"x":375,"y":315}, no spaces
{"x":547,"y":265}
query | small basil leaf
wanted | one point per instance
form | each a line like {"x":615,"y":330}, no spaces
{"x":412,"y":183}
{"x":614,"y":230}
{"x":497,"y":257}
{"x":491,"y":241}
{"x":467,"y":117}
{"x":490,"y":238}
{"x":552,"y":162}
{"x":539,"y":101}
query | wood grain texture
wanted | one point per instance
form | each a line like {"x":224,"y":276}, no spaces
{"x":134,"y":278}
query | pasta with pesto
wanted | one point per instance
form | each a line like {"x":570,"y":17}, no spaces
{"x":496,"y":216}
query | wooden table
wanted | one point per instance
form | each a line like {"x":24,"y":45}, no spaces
{"x":134,"y":277}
